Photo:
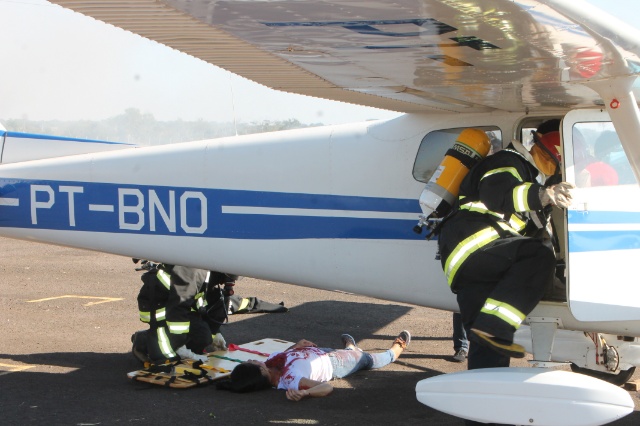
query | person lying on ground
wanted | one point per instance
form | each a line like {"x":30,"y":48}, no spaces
{"x":305,"y":370}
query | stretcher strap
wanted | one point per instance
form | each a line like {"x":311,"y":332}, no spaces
{"x":227,"y":358}
{"x":233,"y":347}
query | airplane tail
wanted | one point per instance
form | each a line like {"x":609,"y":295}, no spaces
{"x":16,"y":147}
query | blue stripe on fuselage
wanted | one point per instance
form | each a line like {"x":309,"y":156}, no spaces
{"x":21,"y":135}
{"x":603,"y":240}
{"x":104,"y":207}
{"x":113,"y":208}
{"x":584,"y":241}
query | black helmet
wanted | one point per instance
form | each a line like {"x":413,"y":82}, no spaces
{"x":221,"y":278}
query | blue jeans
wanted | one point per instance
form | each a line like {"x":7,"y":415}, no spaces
{"x":460,"y":340}
{"x":348,"y":361}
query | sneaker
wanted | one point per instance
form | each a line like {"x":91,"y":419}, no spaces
{"x":137,"y":341}
{"x":403,"y":339}
{"x":460,"y":355}
{"x":348,"y":342}
{"x":503,"y":347}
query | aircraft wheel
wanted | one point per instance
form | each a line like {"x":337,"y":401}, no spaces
{"x":615,"y":379}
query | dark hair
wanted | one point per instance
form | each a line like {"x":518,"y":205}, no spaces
{"x":245,"y":378}
{"x":548,"y":126}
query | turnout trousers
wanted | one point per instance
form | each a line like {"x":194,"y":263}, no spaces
{"x":497,"y":286}
{"x":161,"y":344}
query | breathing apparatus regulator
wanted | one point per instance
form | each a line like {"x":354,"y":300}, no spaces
{"x":440,"y":193}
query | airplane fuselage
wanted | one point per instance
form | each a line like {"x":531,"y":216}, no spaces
{"x":331,"y":208}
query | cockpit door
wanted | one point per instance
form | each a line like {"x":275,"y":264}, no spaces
{"x":603,"y":223}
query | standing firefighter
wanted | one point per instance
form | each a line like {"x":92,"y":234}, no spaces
{"x":185,"y":308}
{"x":490,"y":259}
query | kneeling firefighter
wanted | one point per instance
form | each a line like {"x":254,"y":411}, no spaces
{"x":185,"y":308}
{"x":498,"y":271}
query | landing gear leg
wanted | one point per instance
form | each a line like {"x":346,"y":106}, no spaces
{"x":608,"y":357}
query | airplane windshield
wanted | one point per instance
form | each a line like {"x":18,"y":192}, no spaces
{"x":599,"y":157}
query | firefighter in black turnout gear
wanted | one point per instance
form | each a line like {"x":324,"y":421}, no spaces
{"x":490,"y":255}
{"x":185,"y":308}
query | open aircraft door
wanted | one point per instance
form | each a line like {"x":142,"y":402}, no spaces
{"x":603,"y":223}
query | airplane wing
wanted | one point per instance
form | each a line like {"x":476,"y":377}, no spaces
{"x":407,"y":56}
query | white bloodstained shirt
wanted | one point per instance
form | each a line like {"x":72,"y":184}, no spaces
{"x":310,"y":362}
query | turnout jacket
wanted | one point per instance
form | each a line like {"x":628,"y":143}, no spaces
{"x":499,"y":198}
{"x":175,"y":301}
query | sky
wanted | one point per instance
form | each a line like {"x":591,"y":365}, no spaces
{"x":56,"y":64}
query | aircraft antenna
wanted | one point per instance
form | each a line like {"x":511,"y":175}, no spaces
{"x":233,"y":106}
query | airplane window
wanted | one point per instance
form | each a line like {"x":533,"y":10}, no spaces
{"x":531,"y":125}
{"x":599,"y":157}
{"x":435,"y":145}
{"x":527,"y":137}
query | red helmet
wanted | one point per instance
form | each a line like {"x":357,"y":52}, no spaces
{"x":551,"y":144}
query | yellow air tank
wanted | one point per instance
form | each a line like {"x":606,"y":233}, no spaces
{"x":440,"y":193}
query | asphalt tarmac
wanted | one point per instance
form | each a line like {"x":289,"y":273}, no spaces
{"x":67,"y":316}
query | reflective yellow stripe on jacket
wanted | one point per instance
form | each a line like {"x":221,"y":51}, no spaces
{"x":164,"y":344}
{"x":511,"y":170}
{"x":504,"y":311}
{"x":161,"y":315}
{"x":478,"y":207}
{"x":520,"y":196}
{"x":164,"y":278}
{"x":178,"y":327}
{"x":468,"y":246}
{"x":243,"y":303}
{"x":200,"y":300}
{"x":517,"y":223}
{"x":520,"y":193}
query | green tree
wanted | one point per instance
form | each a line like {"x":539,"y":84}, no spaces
{"x":139,"y":128}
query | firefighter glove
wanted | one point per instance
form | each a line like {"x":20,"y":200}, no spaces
{"x":557,"y":195}
{"x":185,"y":353}
{"x":218,"y":344}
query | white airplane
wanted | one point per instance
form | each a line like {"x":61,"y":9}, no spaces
{"x":335,"y":207}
